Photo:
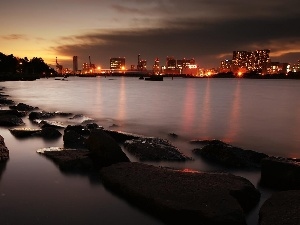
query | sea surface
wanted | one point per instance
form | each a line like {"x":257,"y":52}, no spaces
{"x":261,"y":115}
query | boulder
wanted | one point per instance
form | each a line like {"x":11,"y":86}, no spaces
{"x":22,"y":107}
{"x":280,"y":173}
{"x":282,"y":208}
{"x":104,"y":148}
{"x":228,"y":155}
{"x":69,"y":159}
{"x":183,"y":197}
{"x":72,"y":139}
{"x":10,"y":120}
{"x":41,"y":115}
{"x":4,"y":152}
{"x":24,"y":132}
{"x":12,"y":112}
{"x":154,"y":149}
{"x":49,"y":133}
{"x":121,"y":136}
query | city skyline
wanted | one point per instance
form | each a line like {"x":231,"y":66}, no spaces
{"x":205,"y":30}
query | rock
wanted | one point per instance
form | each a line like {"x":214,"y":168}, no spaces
{"x":121,"y":136}
{"x":80,"y":129}
{"x":5,"y":101}
{"x":72,"y":139}
{"x":280,"y":173}
{"x":4,"y":152}
{"x":282,"y":208}
{"x":10,"y":120}
{"x":230,"y":156}
{"x":23,"y":107}
{"x":24,"y":132}
{"x":69,"y":159}
{"x":48,"y":123}
{"x":206,"y":142}
{"x":105,"y":148}
{"x":154,"y":149}
{"x":49,"y":133}
{"x":13,"y":112}
{"x":41,"y":115}
{"x":178,"y":197}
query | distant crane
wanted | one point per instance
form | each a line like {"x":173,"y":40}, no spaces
{"x":59,"y":68}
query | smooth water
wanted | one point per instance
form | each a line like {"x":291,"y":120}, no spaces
{"x":262,"y":115}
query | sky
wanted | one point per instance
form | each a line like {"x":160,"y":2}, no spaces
{"x":206,"y":30}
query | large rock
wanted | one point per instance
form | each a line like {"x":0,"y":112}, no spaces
{"x":105,"y":148}
{"x":228,"y":155}
{"x":280,"y":173}
{"x":4,"y":153}
{"x":23,"y":132}
{"x":121,"y":136}
{"x":10,"y":120}
{"x":23,"y":107}
{"x":179,"y":197}
{"x":69,"y":159}
{"x":154,"y":149}
{"x":72,"y":139}
{"x":282,"y":208}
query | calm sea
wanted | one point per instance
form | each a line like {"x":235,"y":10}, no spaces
{"x":261,"y":115}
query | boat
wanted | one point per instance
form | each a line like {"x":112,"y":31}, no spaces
{"x":155,"y":78}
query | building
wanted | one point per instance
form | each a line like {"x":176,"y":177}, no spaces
{"x":156,"y":67}
{"x":75,"y":64}
{"x":171,"y":67}
{"x":225,"y":66}
{"x":117,"y":63}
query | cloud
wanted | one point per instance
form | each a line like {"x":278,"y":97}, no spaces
{"x":14,"y":37}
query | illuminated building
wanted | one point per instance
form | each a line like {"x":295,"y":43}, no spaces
{"x":277,"y":67}
{"x":250,"y":60}
{"x":156,"y":68}
{"x":117,"y":63}
{"x":75,"y":64}
{"x":142,"y":63}
{"x":225,"y":66}
{"x":187,"y":66}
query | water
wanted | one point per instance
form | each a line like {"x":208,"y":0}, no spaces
{"x":262,"y":115}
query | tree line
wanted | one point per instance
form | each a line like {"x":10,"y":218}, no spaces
{"x":14,"y":68}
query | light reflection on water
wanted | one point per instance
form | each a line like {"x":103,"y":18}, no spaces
{"x":262,"y":115}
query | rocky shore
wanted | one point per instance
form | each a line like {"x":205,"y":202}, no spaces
{"x":172,"y":195}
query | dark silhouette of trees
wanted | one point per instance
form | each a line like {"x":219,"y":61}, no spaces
{"x":13,"y":68}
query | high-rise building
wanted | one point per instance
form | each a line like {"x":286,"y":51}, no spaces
{"x":75,"y":64}
{"x":156,"y":67}
{"x":117,"y":63}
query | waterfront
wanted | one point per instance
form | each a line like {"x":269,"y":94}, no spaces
{"x":262,"y":115}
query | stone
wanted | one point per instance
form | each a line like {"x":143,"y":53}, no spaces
{"x":183,"y":197}
{"x":154,"y":149}
{"x":4,"y":152}
{"x":282,"y":208}
{"x":280,"y":173}
{"x":104,"y":148}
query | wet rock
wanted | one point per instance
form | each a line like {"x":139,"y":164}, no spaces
{"x":281,"y":208}
{"x":48,"y":133}
{"x":10,"y":120}
{"x":69,"y":159}
{"x":179,"y":197}
{"x":5,"y":101}
{"x":280,"y":173}
{"x":121,"y":136}
{"x":41,"y":115}
{"x":24,"y":132}
{"x":80,"y":129}
{"x":23,"y":107}
{"x":48,"y":123}
{"x":230,"y":156}
{"x":154,"y":149}
{"x":104,"y":148}
{"x":72,"y":139}
{"x":14,"y":112}
{"x":4,"y":152}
